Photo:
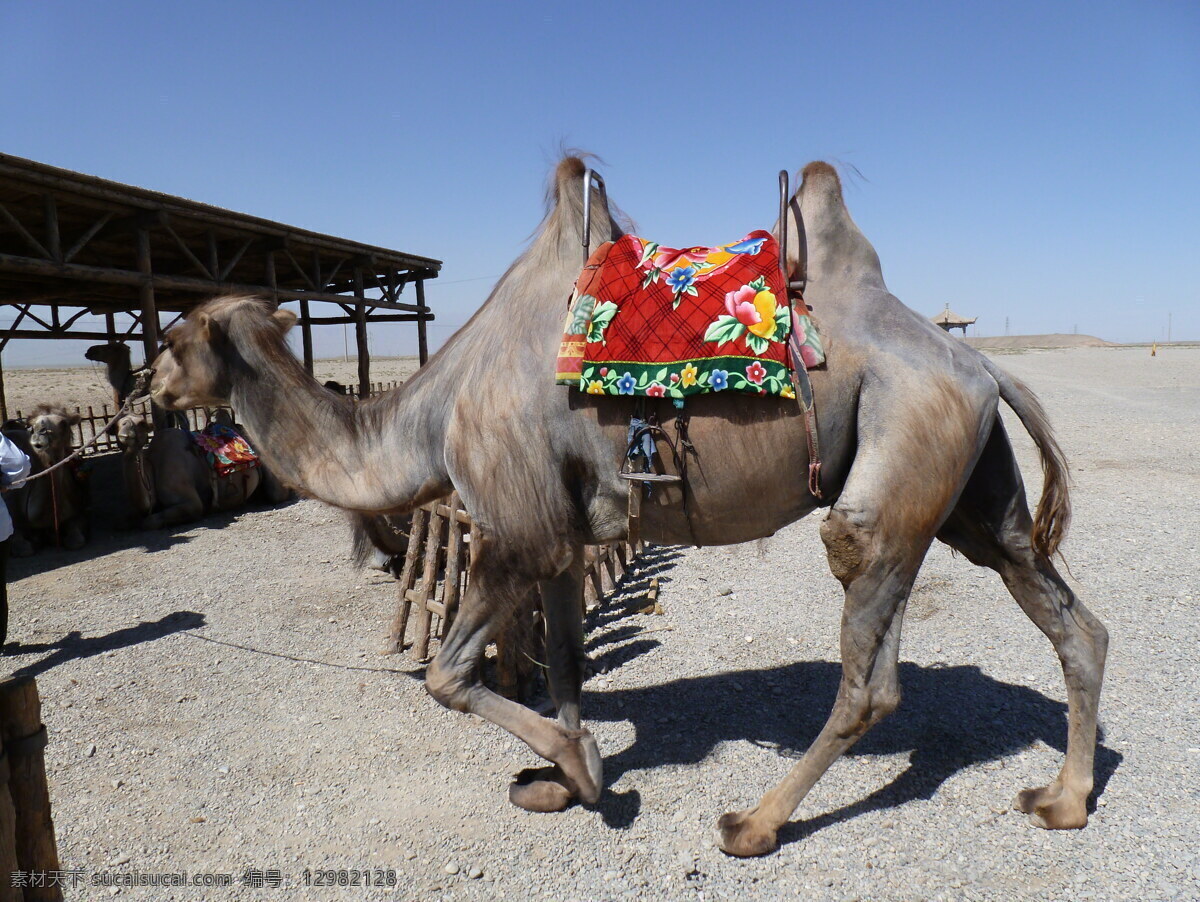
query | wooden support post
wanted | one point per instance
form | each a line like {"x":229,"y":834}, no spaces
{"x":23,"y":737}
{"x":422,"y":337}
{"x":110,"y":326}
{"x":149,"y":311}
{"x":360,"y":336}
{"x":306,"y":337}
{"x":8,"y":837}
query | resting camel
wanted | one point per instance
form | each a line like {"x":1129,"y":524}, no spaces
{"x":132,"y":433}
{"x":170,"y":482}
{"x":914,"y":449}
{"x":51,"y":509}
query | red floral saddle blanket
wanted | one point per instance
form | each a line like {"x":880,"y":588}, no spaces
{"x":662,"y":322}
{"x":226,"y":451}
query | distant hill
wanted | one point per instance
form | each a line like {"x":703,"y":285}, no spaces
{"x":1058,"y":340}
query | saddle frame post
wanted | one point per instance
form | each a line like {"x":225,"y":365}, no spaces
{"x":795,"y":295}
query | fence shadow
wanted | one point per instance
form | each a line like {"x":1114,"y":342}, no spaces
{"x":951,"y":718}
{"x":628,"y":597}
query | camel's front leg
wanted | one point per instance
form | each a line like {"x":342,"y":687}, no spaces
{"x":546,"y":788}
{"x":453,"y":679}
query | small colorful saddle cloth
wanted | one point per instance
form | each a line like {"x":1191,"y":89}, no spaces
{"x":226,"y":451}
{"x":661,"y":322}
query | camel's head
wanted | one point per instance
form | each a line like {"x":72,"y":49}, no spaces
{"x":110,"y":354}
{"x":133,"y":431}
{"x":50,"y":432}
{"x":203,"y":355}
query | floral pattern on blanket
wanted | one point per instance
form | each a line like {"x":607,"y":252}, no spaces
{"x":225,"y":449}
{"x":655,"y":321}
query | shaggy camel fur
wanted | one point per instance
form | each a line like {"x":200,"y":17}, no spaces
{"x":914,"y":450}
{"x":50,"y":510}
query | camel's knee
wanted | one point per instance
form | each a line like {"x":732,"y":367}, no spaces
{"x":846,"y":545}
{"x":450,"y":686}
{"x":860,"y":708}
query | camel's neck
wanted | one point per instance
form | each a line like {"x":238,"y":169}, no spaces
{"x":382,"y":455}
{"x":139,"y":482}
{"x":119,"y":377}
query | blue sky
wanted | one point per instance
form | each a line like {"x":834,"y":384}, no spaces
{"x":1029,"y":161}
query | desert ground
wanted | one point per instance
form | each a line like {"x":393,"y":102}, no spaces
{"x":216,"y":702}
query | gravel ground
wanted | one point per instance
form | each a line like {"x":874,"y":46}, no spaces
{"x":216,"y":702}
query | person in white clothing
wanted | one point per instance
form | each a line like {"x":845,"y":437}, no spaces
{"x":14,"y":467}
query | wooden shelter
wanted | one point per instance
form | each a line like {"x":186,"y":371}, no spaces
{"x":948,"y":320}
{"x":73,"y":245}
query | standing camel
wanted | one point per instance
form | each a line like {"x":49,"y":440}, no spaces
{"x":914,"y":445}
{"x":117,"y":367}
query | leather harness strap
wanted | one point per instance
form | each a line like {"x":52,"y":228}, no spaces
{"x":800,"y":380}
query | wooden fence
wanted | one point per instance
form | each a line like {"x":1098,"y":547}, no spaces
{"x":434,"y":578}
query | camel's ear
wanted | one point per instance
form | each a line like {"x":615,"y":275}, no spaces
{"x":284,"y":319}
{"x":207,"y":327}
{"x":74,"y":419}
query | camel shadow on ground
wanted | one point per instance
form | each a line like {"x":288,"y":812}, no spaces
{"x":73,"y":646}
{"x":951,"y":718}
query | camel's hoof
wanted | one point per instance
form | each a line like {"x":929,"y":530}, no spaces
{"x":540,"y":789}
{"x":582,"y":767}
{"x":1053,"y":808}
{"x":737,"y":834}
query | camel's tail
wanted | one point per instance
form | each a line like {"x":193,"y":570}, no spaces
{"x":1053,"y":514}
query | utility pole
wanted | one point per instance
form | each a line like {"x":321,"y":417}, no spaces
{"x":1168,"y":327}
{"x":1006,"y":325}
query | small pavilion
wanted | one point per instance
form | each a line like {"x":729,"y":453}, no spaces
{"x":948,"y":320}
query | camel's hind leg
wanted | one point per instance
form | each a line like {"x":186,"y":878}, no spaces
{"x":878,"y":576}
{"x":901,"y":487}
{"x":495,"y":590}
{"x":991,"y":526}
